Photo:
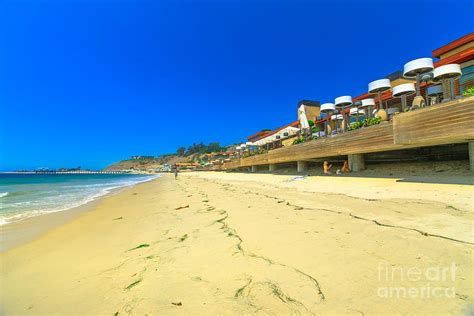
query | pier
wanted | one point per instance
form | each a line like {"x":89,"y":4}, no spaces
{"x":74,"y":172}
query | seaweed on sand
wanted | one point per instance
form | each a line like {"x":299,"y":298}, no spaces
{"x":133,"y":284}
{"x":140,"y":246}
{"x":181,"y":207}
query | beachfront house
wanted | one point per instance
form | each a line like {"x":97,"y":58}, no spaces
{"x":311,"y":108}
{"x":428,"y":90}
{"x":141,"y":157}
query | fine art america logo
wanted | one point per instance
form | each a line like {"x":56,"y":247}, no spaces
{"x":414,"y":282}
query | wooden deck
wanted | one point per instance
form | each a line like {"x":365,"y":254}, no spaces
{"x":446,"y":123}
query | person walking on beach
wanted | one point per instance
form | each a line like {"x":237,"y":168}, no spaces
{"x":175,"y":169}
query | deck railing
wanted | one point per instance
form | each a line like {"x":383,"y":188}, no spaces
{"x":443,"y":123}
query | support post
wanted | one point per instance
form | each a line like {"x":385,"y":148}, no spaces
{"x":356,"y":162}
{"x":344,"y":117}
{"x":272,"y":167}
{"x":254,"y":168}
{"x":404,"y":102}
{"x":446,"y":90}
{"x":452,"y":89}
{"x":471,"y":156}
{"x":380,"y":100}
{"x":417,"y":86}
{"x":301,"y":166}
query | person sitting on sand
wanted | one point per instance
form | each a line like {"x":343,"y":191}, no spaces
{"x":345,"y":167}
{"x":327,"y":168}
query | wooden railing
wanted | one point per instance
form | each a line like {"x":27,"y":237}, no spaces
{"x":446,"y":123}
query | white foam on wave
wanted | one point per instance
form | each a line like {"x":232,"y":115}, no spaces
{"x":67,"y":206}
{"x":2,"y":194}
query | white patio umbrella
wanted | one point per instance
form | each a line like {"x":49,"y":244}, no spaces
{"x":304,"y":125}
{"x":355,"y":111}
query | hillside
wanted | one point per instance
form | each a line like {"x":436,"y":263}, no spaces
{"x":147,"y":163}
{"x":194,"y":154}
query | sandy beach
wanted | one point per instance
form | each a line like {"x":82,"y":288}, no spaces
{"x":235,"y":243}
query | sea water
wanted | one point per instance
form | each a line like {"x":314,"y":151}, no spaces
{"x":27,"y":195}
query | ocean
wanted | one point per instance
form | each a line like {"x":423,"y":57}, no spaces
{"x":27,"y":195}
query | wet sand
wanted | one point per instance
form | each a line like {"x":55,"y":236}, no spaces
{"x":228,"y":243}
{"x":24,"y":231}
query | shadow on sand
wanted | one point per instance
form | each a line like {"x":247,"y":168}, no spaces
{"x":439,"y":173}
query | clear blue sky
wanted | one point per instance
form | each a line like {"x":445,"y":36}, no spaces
{"x":90,"y":82}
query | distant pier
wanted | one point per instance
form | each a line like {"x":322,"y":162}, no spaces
{"x":75,"y":172}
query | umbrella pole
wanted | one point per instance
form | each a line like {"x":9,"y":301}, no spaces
{"x":426,"y":93}
{"x":452,"y":88}
{"x":344,"y":118}
{"x":418,"y":84}
{"x":404,"y":102}
{"x":446,"y":93}
{"x":380,"y":100}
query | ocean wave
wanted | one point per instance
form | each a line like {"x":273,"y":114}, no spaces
{"x":15,"y":194}
{"x":66,"y":203}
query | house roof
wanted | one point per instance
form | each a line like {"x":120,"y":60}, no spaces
{"x":294,"y":124}
{"x":458,"y":58}
{"x":453,"y":45}
{"x":308,"y":103}
{"x":258,"y":135}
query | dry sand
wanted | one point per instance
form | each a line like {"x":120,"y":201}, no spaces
{"x":244,"y":244}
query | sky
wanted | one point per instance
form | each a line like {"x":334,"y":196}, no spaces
{"x":91,"y":82}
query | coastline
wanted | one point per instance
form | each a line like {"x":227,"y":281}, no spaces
{"x":22,"y":231}
{"x":235,"y":243}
